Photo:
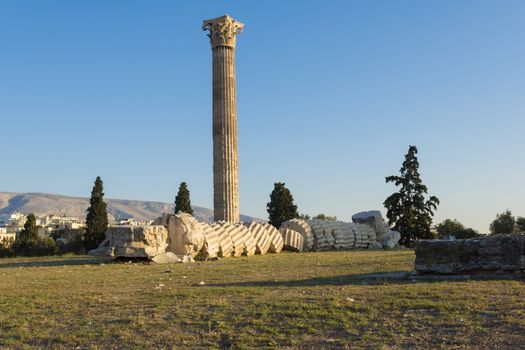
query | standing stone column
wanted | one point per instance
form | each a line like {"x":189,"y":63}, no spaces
{"x":222,"y":33}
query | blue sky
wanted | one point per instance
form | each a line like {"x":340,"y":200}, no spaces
{"x":330,"y":96}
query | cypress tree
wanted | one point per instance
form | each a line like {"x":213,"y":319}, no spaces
{"x":407,"y":210}
{"x":97,"y":217}
{"x":30,"y":231}
{"x":182,"y":200}
{"x":281,"y":206}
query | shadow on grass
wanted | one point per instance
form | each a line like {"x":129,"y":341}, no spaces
{"x":395,"y":277}
{"x":53,"y":261}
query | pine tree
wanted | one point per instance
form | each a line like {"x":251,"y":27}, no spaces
{"x":407,"y":210}
{"x":97,"y":217}
{"x":182,"y":200}
{"x":281,"y":206}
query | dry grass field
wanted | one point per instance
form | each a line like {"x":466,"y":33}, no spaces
{"x":295,"y":301}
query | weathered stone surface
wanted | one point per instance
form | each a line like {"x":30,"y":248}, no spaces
{"x":374,"y":219}
{"x":166,"y":258}
{"x":133,"y":241}
{"x":185,"y":236}
{"x":238,"y":237}
{"x":320,"y":235}
{"x":211,"y":241}
{"x":222,"y":33}
{"x":224,"y":229}
{"x":293,"y":240}
{"x":250,"y":244}
{"x":304,"y":228}
{"x":391,"y":239}
{"x":261,"y":236}
{"x":323,"y":235}
{"x":375,"y":246}
{"x":276,"y":239}
{"x":480,"y":254}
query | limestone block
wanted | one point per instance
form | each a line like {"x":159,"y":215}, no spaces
{"x":293,"y":240}
{"x":238,"y":237}
{"x":166,"y":258}
{"x":344,"y":236}
{"x":133,"y":241}
{"x":276,"y":239}
{"x":494,"y":253}
{"x":185,"y":236}
{"x":249,"y":241}
{"x":162,"y":220}
{"x":374,"y":219}
{"x":375,"y":246}
{"x":391,"y":239}
{"x":225,"y":241}
{"x":261,"y":236}
{"x":211,"y":241}
{"x":323,"y":233}
{"x":304,"y":228}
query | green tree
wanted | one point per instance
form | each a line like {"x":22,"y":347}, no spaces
{"x":449,"y":227}
{"x":455,"y":228}
{"x":467,"y":233}
{"x":281,"y":206}
{"x":97,"y":217}
{"x":408,"y":211}
{"x":520,"y":225}
{"x":504,"y":223}
{"x":325,"y":217}
{"x":28,"y":243}
{"x":30,"y":231}
{"x":182,"y":200}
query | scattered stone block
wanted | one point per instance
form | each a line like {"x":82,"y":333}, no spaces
{"x":166,"y":258}
{"x":249,"y":241}
{"x":133,"y":241}
{"x":293,"y":240}
{"x":374,"y":219}
{"x":211,"y":241}
{"x":302,"y":227}
{"x":261,"y":236}
{"x":276,"y":239}
{"x":502,"y":252}
{"x":185,"y":236}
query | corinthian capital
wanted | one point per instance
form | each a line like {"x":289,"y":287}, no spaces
{"x":222,"y":30}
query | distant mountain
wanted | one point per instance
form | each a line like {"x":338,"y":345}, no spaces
{"x":45,"y":203}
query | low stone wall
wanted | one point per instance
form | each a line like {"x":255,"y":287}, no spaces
{"x":504,"y":253}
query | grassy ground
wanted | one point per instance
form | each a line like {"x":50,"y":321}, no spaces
{"x":298,"y":301}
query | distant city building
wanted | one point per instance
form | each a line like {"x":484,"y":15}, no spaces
{"x":55,"y":222}
{"x":133,"y":222}
{"x":13,"y":219}
{"x":6,"y":237}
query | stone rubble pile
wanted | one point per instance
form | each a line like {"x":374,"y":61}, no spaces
{"x":181,"y":238}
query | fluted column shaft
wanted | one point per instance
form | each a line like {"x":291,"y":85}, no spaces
{"x":225,"y":153}
{"x":222,"y":33}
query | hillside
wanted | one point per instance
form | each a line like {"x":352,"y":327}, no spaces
{"x":45,"y":203}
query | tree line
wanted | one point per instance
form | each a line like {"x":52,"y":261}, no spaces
{"x":410,"y":211}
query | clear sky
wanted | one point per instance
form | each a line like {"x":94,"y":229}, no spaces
{"x":330,"y":96}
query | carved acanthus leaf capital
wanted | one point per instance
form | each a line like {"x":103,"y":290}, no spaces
{"x":222,"y":30}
